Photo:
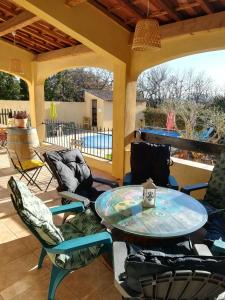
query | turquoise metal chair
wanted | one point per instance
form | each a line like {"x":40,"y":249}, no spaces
{"x":73,"y":245}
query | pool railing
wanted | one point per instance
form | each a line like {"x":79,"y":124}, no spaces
{"x":94,"y":141}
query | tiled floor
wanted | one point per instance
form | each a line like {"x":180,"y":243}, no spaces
{"x":19,"y":251}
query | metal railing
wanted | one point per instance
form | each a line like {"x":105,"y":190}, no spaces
{"x":4,"y":113}
{"x":94,"y":141}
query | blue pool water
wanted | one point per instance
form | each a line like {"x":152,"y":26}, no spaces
{"x":98,"y":141}
{"x":161,"y":132}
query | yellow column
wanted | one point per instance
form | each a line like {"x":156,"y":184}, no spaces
{"x":37,"y":103}
{"x":124,"y":109}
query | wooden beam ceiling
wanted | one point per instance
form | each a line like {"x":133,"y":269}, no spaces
{"x":19,"y":21}
{"x":165,"y":5}
{"x":205,"y":6}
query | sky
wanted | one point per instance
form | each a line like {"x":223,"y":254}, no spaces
{"x":212,"y":63}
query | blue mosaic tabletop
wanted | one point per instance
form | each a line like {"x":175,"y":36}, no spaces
{"x":175,"y":214}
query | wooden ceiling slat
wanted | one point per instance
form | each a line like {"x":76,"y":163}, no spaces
{"x":4,"y":7}
{"x":17,"y":22}
{"x":42,"y":37}
{"x":24,"y":45}
{"x":117,"y":19}
{"x":29,"y":40}
{"x":205,"y":6}
{"x":41,"y":28}
{"x":168,"y":8}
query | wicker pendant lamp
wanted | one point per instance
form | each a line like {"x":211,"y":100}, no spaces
{"x":147,"y":34}
{"x":15,"y":63}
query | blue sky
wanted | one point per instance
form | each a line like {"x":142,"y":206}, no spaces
{"x":212,"y":63}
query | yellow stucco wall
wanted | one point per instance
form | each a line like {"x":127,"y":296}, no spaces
{"x":7,"y":52}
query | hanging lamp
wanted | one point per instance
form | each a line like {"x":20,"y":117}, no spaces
{"x":147,"y":34}
{"x":15,"y":63}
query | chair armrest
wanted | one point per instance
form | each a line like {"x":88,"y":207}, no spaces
{"x":172,"y":183}
{"x":72,"y":207}
{"x":202,"y":250}
{"x":74,"y":197}
{"x":218,"y":247}
{"x":119,"y":257}
{"x":127,"y":180}
{"x":81,"y":243}
{"x":108,"y":182}
{"x":190,"y":188}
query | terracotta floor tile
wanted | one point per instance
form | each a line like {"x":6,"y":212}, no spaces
{"x":19,"y":252}
{"x":6,"y":234}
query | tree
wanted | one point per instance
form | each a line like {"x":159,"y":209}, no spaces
{"x":161,"y":83}
{"x":190,"y":112}
{"x":24,"y":93}
{"x":219,"y":102}
{"x":9,"y":87}
{"x":69,"y":85}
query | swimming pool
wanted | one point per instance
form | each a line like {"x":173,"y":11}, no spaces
{"x":98,"y":141}
{"x":161,"y":132}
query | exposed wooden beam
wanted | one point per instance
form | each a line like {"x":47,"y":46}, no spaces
{"x":205,"y":6}
{"x":60,"y":53}
{"x":168,"y":8}
{"x":23,"y":19}
{"x":205,"y":23}
{"x":110,"y":14}
{"x":74,"y":2}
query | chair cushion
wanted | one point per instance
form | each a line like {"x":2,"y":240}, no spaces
{"x":34,"y":213}
{"x":215,"y":194}
{"x":30,"y":164}
{"x":81,"y":224}
{"x":70,"y":169}
{"x":37,"y":216}
{"x":151,"y":263}
{"x":150,"y":160}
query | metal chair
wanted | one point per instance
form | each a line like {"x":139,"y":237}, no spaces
{"x":25,"y":166}
{"x":182,"y":284}
{"x":71,"y":246}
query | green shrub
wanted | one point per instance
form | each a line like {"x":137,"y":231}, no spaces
{"x":157,"y":118}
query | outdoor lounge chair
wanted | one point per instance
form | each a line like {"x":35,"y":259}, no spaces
{"x":150,"y":161}
{"x":146,"y":276}
{"x":70,"y":246}
{"x":204,"y":135}
{"x":74,"y":176}
{"x":214,"y":201}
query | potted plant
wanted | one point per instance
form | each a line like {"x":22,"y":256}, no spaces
{"x":21,"y":118}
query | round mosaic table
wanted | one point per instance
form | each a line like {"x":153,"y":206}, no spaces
{"x":176,"y":214}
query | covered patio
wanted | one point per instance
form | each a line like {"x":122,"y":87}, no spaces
{"x":51,"y":37}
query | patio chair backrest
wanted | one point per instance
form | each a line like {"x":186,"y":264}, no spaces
{"x":70,"y":170}
{"x":150,"y":160}
{"x":215,"y":194}
{"x":184,"y":284}
{"x":34,"y":213}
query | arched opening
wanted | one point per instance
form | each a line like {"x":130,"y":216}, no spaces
{"x":78,"y":109}
{"x":185,"y":98}
{"x":14,"y":96}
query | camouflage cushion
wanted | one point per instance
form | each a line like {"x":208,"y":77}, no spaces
{"x":34,"y":213}
{"x":215,"y":194}
{"x":37,"y":216}
{"x":81,"y":224}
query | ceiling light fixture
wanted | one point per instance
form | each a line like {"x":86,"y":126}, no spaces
{"x":147,"y":34}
